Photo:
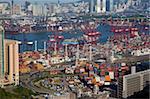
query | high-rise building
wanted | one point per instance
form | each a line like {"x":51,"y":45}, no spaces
{"x":45,"y":10}
{"x":4,"y":8}
{"x":27,"y":3}
{"x":135,"y":82}
{"x":1,"y":55}
{"x":50,"y":9}
{"x":120,"y":84}
{"x":9,"y":61}
{"x":91,"y":6}
{"x":17,"y":9}
{"x":109,"y":5}
{"x":98,"y":7}
{"x":132,"y":83}
{"x":30,"y":7}
{"x":12,"y":5}
{"x":101,"y":6}
{"x":37,"y":9}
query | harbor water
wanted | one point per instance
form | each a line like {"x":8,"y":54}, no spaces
{"x":41,"y":37}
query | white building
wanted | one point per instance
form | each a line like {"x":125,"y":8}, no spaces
{"x":51,"y":8}
{"x":45,"y":10}
{"x":4,"y":8}
{"x":37,"y":10}
{"x":111,"y":5}
{"x":101,"y":6}
{"x":135,"y":82}
{"x":92,"y":6}
{"x":145,"y":51}
{"x":30,"y":7}
{"x":17,"y":9}
{"x":98,"y":7}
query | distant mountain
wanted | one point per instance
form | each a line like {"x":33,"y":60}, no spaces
{"x":142,"y":8}
{"x":145,"y":4}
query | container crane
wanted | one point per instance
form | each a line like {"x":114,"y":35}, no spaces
{"x":54,"y":42}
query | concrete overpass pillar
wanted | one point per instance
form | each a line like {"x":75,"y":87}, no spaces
{"x":35,"y":46}
{"x":44,"y":46}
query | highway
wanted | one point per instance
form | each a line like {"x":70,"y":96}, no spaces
{"x":27,"y":80}
{"x":133,"y":59}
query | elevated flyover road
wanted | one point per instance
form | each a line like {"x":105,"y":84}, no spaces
{"x":133,"y":59}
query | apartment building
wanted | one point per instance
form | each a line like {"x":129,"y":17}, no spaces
{"x":135,"y":82}
{"x":9,"y":61}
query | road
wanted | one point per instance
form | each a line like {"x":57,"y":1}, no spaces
{"x":28,"y":83}
{"x":27,"y":80}
{"x":130,"y":59}
{"x":133,"y":59}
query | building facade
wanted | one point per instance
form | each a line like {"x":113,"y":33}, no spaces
{"x":1,"y":55}
{"x":5,"y":8}
{"x":135,"y":82}
{"x":37,"y":9}
{"x":9,"y":61}
{"x":109,"y":5}
{"x":17,"y":9}
{"x":91,"y":6}
{"x":101,"y":6}
{"x":98,"y":7}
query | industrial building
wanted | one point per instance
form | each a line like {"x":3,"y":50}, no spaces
{"x":9,"y":61}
